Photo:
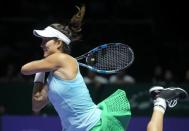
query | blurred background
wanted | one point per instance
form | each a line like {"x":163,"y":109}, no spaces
{"x":158,"y":34}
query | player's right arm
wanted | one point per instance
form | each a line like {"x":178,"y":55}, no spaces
{"x":39,"y":96}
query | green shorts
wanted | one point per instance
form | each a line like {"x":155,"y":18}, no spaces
{"x":115,"y":113}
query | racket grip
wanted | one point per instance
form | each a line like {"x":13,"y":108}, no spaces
{"x":39,"y":77}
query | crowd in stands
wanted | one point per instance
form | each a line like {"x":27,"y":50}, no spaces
{"x":160,"y":76}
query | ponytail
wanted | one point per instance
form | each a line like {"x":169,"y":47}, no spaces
{"x":76,"y":23}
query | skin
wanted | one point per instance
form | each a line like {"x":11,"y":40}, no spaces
{"x":61,"y":64}
{"x":156,"y":122}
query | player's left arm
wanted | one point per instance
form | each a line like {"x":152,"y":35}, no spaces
{"x":47,"y":64}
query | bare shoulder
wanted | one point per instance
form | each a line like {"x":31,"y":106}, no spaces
{"x":60,"y":58}
{"x":56,"y":57}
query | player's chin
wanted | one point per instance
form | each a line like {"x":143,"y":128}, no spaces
{"x":45,"y":54}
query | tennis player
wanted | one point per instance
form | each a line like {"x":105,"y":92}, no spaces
{"x":161,"y":98}
{"x":65,"y":87}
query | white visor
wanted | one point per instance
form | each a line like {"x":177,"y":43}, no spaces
{"x":51,"y":32}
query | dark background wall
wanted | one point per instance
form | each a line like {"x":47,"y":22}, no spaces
{"x":157,"y":32}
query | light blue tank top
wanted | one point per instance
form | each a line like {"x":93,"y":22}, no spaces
{"x":72,"y":101}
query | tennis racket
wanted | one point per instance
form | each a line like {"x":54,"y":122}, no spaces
{"x":107,"y":58}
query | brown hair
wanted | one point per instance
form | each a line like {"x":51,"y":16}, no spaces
{"x":72,"y":29}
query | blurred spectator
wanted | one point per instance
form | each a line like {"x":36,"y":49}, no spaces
{"x":157,"y":78}
{"x":95,"y":84}
{"x":121,"y":78}
{"x":169,"y":78}
{"x":93,"y":78}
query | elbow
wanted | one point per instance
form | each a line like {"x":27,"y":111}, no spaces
{"x":35,"y":107}
{"x":24,"y":71}
{"x":38,"y":103}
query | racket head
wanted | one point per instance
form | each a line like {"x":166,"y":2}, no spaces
{"x":110,"y":58}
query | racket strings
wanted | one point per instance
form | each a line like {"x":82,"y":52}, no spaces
{"x":113,"y":58}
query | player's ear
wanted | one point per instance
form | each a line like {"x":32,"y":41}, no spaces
{"x":60,"y":44}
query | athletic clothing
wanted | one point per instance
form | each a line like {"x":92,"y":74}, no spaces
{"x":115,"y":114}
{"x":73,"y":103}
